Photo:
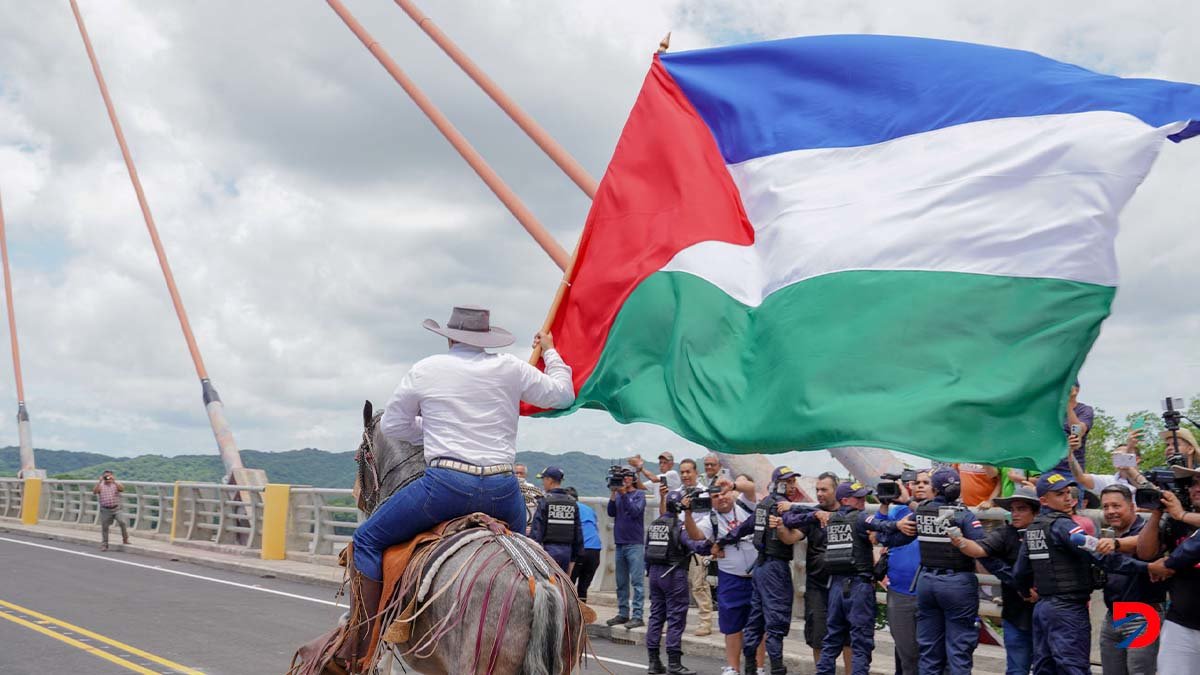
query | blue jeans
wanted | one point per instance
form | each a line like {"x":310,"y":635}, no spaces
{"x":1018,"y":649}
{"x":631,"y":570}
{"x":437,"y":496}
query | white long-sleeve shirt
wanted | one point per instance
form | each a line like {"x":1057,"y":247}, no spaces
{"x":464,"y":404}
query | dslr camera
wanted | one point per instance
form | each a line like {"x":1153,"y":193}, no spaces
{"x":616,"y":477}
{"x":700,"y":499}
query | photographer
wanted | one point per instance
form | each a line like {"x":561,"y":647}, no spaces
{"x":1079,"y":420}
{"x":734,"y":585}
{"x":902,"y":564}
{"x":108,"y":492}
{"x":1181,"y":445}
{"x":1180,"y":638}
{"x":627,"y":508}
{"x":698,"y":571}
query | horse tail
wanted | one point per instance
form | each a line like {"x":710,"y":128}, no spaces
{"x":543,"y":655}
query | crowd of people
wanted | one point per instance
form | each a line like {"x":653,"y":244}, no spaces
{"x":716,"y":544}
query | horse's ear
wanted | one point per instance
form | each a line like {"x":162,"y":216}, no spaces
{"x":368,"y":413}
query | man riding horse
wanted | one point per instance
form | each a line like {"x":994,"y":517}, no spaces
{"x":462,"y":406}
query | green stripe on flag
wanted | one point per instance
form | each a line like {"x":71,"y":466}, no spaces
{"x":958,"y":367}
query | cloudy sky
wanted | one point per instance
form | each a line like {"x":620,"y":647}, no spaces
{"x":313,"y":216}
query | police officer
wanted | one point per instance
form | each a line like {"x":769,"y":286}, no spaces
{"x":771,"y":603}
{"x":1004,"y":543}
{"x":1053,"y":560}
{"x":947,"y":588}
{"x":556,"y":524}
{"x":851,"y":562}
{"x":667,"y":560}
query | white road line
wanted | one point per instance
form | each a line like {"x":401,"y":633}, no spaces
{"x":176,"y":572}
{"x":620,"y":662}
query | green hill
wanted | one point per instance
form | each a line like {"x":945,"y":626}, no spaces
{"x":308,"y":466}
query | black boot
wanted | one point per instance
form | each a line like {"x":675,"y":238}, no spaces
{"x":777,"y":667}
{"x":655,"y":666}
{"x":675,"y":667}
{"x":749,"y":664}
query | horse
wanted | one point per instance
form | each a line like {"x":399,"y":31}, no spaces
{"x":496,"y":603}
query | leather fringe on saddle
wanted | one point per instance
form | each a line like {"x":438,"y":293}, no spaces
{"x":388,"y":613}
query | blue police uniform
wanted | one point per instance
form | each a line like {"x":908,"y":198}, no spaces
{"x":557,"y":528}
{"x":771,"y":601}
{"x":668,"y":557}
{"x":947,"y":588}
{"x":851,"y":562}
{"x":1062,"y":573}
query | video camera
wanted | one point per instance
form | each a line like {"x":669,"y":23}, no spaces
{"x":700,"y":499}
{"x":888,"y":489}
{"x":1164,"y":479}
{"x":616,"y":477}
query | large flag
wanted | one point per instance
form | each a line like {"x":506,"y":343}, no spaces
{"x":860,"y":240}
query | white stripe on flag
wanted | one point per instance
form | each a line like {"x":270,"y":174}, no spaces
{"x":1019,"y":197}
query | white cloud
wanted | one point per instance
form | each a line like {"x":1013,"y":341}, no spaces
{"x":313,"y":216}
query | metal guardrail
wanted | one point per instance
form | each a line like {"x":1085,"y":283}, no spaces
{"x":10,"y":497}
{"x":321,"y":520}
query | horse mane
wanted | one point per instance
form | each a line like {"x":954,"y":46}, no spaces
{"x":384,"y":464}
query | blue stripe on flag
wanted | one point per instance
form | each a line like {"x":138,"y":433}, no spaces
{"x":834,"y":91}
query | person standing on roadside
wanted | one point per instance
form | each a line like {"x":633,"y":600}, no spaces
{"x":108,"y":493}
{"x":627,"y":508}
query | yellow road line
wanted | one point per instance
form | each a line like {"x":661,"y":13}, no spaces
{"x":128,"y":649}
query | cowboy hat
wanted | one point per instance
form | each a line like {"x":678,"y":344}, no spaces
{"x":471,"y":326}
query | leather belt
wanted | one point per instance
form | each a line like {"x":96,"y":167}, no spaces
{"x":474,"y":470}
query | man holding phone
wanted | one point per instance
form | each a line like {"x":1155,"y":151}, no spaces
{"x":108,"y":493}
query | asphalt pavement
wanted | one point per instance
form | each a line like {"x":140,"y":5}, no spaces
{"x":67,"y":608}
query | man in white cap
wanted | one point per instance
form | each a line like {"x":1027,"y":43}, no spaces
{"x":462,"y":406}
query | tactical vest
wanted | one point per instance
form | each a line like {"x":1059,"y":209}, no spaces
{"x":561,"y":513}
{"x":766,"y":539}
{"x":845,"y":553}
{"x":936,"y":550}
{"x":664,"y":546}
{"x":1055,"y":571}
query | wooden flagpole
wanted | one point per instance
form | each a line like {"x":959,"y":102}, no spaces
{"x":536,"y":133}
{"x":505,"y":194}
{"x":230,"y":455}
